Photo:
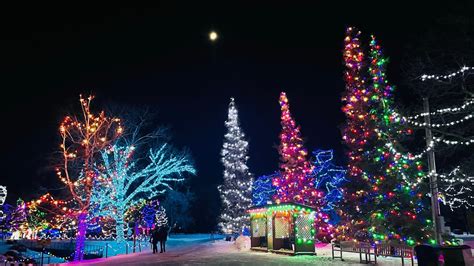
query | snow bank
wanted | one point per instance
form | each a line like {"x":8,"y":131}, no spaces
{"x":242,"y":243}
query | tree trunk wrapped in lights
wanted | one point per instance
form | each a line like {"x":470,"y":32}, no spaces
{"x":83,"y":137}
{"x":236,"y":192}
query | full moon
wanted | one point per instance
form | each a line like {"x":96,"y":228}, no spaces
{"x":213,"y":36}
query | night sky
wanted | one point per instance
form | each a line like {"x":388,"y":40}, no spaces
{"x":161,"y":58}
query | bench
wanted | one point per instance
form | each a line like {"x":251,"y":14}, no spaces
{"x":363,"y":248}
{"x":395,"y":250}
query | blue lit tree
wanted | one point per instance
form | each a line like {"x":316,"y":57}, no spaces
{"x":263,"y":189}
{"x":329,"y":179}
{"x":149,"y":212}
{"x":124,"y":180}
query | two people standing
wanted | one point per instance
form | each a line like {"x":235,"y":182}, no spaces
{"x":159,"y":234}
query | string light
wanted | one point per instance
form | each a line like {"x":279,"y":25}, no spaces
{"x":263,"y":190}
{"x":464,"y":106}
{"x":304,"y":218}
{"x":385,"y":183}
{"x":454,"y":142}
{"x":3,"y":196}
{"x":457,"y":189}
{"x":329,"y":179}
{"x":160,"y":217}
{"x":82,"y":140}
{"x":410,"y":156}
{"x":236,"y":191}
{"x":446,"y":124}
{"x":122,"y":183}
{"x":451,"y":75}
{"x":294,"y":184}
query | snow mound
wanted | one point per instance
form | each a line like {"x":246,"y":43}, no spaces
{"x":242,"y":243}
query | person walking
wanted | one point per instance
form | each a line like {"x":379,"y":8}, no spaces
{"x":154,"y":240}
{"x":163,"y":236}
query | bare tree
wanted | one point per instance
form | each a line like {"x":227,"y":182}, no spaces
{"x":83,"y":137}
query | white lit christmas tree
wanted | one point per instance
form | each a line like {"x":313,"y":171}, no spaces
{"x":160,"y":217}
{"x":236,"y":191}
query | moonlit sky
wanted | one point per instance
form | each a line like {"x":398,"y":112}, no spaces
{"x":162,"y":58}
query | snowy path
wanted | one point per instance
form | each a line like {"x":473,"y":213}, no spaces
{"x":225,"y":253}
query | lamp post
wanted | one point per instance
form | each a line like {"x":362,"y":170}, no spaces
{"x":435,"y":210}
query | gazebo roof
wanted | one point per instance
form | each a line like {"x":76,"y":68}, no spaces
{"x":283,"y":205}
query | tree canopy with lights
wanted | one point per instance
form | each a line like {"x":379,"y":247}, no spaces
{"x":123,"y":182}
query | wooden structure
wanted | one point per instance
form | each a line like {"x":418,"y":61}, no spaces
{"x":367,"y":250}
{"x":396,"y":250}
{"x":364,"y":249}
{"x":286,"y":228}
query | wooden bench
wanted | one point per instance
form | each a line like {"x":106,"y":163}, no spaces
{"x":395,"y":250}
{"x":363,"y":248}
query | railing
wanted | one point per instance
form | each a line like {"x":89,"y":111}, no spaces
{"x":63,"y":250}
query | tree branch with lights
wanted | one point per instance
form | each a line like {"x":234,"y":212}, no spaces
{"x":124,"y":181}
{"x":83,"y":138}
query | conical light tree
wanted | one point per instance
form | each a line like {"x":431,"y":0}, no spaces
{"x":161,"y":219}
{"x":295,"y":184}
{"x":236,"y":192}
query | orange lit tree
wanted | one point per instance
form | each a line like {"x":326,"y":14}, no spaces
{"x":83,"y":137}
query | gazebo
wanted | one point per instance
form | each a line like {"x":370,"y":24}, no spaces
{"x":286,"y":228}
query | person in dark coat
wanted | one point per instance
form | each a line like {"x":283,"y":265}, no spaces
{"x":154,"y":240}
{"x":163,"y":236}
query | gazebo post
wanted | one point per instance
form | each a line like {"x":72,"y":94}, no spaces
{"x":294,"y":232}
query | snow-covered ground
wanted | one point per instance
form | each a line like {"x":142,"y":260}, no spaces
{"x":200,"y":249}
{"x":112,"y":248}
{"x":225,"y":253}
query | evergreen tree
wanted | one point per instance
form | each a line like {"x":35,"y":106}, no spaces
{"x":357,"y":131}
{"x":397,"y":186}
{"x":384,"y":199}
{"x":237,"y":187}
{"x":177,"y":204}
{"x":294,"y":184}
{"x":160,"y":217}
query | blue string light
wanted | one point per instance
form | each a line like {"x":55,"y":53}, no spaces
{"x":263,"y":189}
{"x":329,"y":179}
